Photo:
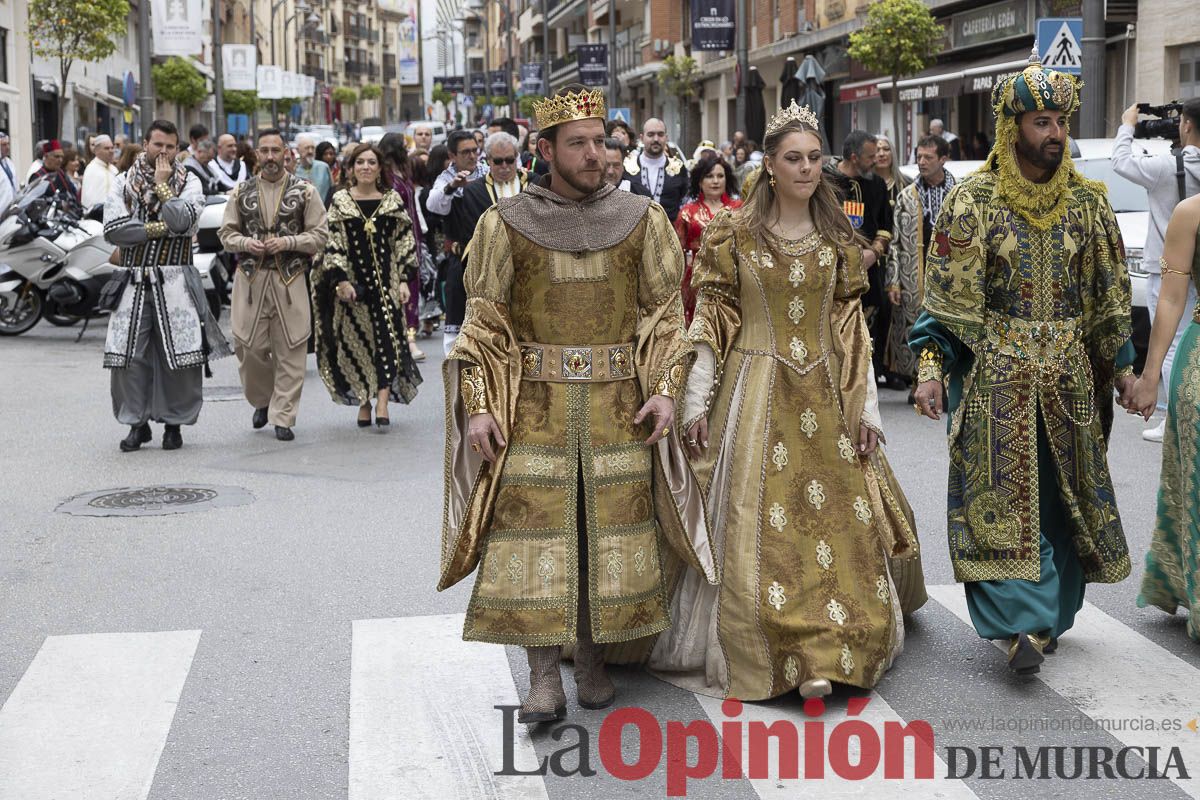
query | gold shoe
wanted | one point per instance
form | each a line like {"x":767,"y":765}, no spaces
{"x":815,"y":687}
{"x":1025,"y":653}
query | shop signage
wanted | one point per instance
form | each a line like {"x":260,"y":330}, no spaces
{"x":712,"y":24}
{"x":991,"y":23}
{"x":859,"y":93}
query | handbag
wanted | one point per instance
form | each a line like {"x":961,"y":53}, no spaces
{"x":111,"y":292}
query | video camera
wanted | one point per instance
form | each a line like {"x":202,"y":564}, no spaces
{"x":1165,"y":127}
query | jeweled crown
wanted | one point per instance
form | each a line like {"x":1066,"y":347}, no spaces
{"x":793,"y":112}
{"x":569,"y":107}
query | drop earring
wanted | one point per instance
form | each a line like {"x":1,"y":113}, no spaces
{"x":772,"y":180}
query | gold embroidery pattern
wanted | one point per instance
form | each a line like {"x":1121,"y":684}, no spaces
{"x":929,"y":366}
{"x":797,"y":274}
{"x":816,"y":494}
{"x":546,"y":570}
{"x":847,"y":660}
{"x":791,"y":672}
{"x":473,"y":390}
{"x":881,"y":589}
{"x":615,"y":564}
{"x":762,"y":260}
{"x":796,"y":310}
{"x":824,"y":554}
{"x":825,"y":257}
{"x":778,"y":517}
{"x":862,"y":510}
{"x":837,"y":611}
{"x":775,"y":596}
{"x":493,"y":568}
{"x":516,"y":569}
{"x":779,"y":456}
{"x":622,"y":463}
{"x":639,"y":561}
{"x":798,"y":348}
{"x":531,"y":361}
{"x":671,"y":382}
{"x":542,"y":466}
{"x":846,"y":448}
{"x":808,"y":422}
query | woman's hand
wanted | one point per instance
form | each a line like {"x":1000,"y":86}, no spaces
{"x":868,"y":440}
{"x":697,"y":439}
{"x":1145,"y":396}
{"x":869,"y":257}
{"x":405,"y":294}
{"x":345,"y":292}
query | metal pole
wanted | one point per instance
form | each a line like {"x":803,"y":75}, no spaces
{"x":613,"y":88}
{"x":145,"y":62}
{"x":1091,"y":114}
{"x":545,"y":49}
{"x":743,"y":65}
{"x":508,"y":27}
{"x":218,"y":72}
{"x":274,"y":102}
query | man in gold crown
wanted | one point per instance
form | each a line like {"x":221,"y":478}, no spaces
{"x":1027,"y":320}
{"x":565,"y":484}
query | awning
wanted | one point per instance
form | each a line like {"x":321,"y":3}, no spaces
{"x":98,"y":96}
{"x":951,"y":80}
{"x":860,"y":90}
{"x":983,"y":78}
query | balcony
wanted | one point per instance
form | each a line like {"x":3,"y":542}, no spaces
{"x":561,"y":12}
{"x":356,"y":68}
{"x":389,"y":72}
{"x":314,"y":72}
{"x":564,"y":70}
{"x":316,"y":38}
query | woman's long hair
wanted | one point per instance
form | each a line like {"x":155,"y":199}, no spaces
{"x":395,"y":154}
{"x":129,"y":154}
{"x":383,"y":182}
{"x":760,"y":207}
{"x":705,"y":166}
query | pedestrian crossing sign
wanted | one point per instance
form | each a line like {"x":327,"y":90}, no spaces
{"x":623,"y":114}
{"x":1058,"y":40}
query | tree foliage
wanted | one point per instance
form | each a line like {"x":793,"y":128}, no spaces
{"x":178,"y":82}
{"x":372,"y":91}
{"x":440,"y":95}
{"x":525,"y":104}
{"x":680,"y":78}
{"x":344,"y":95}
{"x":240,"y":101}
{"x":899,"y":38}
{"x":67,"y":31}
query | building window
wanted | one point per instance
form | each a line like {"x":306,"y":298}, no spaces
{"x":1189,"y":71}
{"x":4,"y":56}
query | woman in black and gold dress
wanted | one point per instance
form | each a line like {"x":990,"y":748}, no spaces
{"x":359,"y":292}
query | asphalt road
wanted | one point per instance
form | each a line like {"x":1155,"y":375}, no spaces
{"x":293,"y":646}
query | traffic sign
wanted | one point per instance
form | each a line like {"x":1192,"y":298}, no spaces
{"x":1059,"y":43}
{"x":623,"y":114}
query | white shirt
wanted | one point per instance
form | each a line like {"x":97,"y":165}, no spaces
{"x":222,"y":169}
{"x":34,"y":167}
{"x":97,"y":180}
{"x":510,"y":189}
{"x":652,"y":174}
{"x":8,"y":186}
{"x":438,"y":201}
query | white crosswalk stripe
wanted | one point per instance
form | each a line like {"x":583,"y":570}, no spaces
{"x":422,"y":716}
{"x":91,"y":715}
{"x":1103,"y":667}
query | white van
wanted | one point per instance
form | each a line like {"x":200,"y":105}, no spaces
{"x":439,"y":130}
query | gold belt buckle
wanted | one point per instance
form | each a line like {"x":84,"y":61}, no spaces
{"x":618,"y":362}
{"x":577,"y":363}
{"x":531,"y":361}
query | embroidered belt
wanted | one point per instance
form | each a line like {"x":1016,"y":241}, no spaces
{"x":566,"y":364}
{"x":1041,"y":341}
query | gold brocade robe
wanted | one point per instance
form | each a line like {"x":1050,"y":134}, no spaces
{"x":569,"y":444}
{"x":803,"y":526}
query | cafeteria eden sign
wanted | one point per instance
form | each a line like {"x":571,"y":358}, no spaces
{"x":991,"y":23}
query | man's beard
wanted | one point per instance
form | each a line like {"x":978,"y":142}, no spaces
{"x":1040,"y":157}
{"x":579,"y":180}
{"x":271,"y":168}
{"x":654,"y":150}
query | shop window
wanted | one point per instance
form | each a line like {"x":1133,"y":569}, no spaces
{"x":1189,"y":71}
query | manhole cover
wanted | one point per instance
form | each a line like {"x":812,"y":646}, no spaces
{"x":154,"y":501}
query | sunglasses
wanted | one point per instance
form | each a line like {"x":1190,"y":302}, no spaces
{"x":504,"y":160}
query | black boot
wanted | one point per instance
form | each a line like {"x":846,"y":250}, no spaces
{"x":172,"y":438}
{"x":259,"y":420}
{"x":138,"y":436}
{"x":284,"y":433}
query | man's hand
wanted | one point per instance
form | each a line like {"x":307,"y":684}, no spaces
{"x":661,"y":409}
{"x":481,"y":431}
{"x":868,"y":440}
{"x":929,"y":399}
{"x":1140,"y":395}
{"x":460,"y":179}
{"x":697,"y":439}
{"x":163,"y":169}
{"x":894,"y":296}
{"x":1130,"y":117}
{"x":274,"y":245}
{"x":256,"y":247}
{"x":405,"y":294}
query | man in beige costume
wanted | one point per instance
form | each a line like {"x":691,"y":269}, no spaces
{"x":275,"y":222}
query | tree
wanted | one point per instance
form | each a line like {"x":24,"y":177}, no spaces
{"x":67,"y":31}
{"x":372,"y":91}
{"x":344,"y":95}
{"x":440,"y":95}
{"x":525,"y":104}
{"x":178,"y":82}
{"x":680,"y":78}
{"x":899,"y":38}
{"x":240,"y":102}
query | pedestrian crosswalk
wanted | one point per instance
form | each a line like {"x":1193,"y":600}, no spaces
{"x":91,"y":714}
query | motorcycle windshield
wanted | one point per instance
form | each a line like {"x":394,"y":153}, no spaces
{"x":35,"y":191}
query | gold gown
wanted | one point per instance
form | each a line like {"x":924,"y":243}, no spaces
{"x":803,"y":526}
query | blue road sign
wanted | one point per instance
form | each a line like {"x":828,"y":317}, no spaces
{"x":623,"y":114}
{"x":1060,"y":43}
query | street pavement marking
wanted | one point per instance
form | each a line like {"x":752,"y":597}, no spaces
{"x":91,"y":715}
{"x":422,"y":722}
{"x":832,"y":785}
{"x":1103,"y":667}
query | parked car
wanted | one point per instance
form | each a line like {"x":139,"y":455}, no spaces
{"x":439,"y":130}
{"x":371,"y":134}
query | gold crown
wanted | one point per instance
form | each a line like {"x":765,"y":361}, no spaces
{"x":569,"y":107}
{"x":792,"y":112}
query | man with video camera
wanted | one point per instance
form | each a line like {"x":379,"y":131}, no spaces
{"x":1168,"y":179}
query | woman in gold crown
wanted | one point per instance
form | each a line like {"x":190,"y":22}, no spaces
{"x":782,"y":423}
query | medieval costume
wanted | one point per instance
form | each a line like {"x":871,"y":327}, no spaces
{"x":1027,"y":318}
{"x":665,"y":177}
{"x":361,"y":346}
{"x":574,"y":525}
{"x":1172,"y":575}
{"x":412,"y":309}
{"x":689,"y":225}
{"x":162,"y":334}
{"x":477,"y":197}
{"x":270,"y":311}
{"x":916,"y":211}
{"x":454,"y":297}
{"x":804,"y":526}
